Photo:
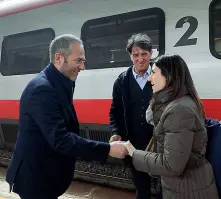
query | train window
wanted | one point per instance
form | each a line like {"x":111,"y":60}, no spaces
{"x":105,"y":38}
{"x":26,"y":53}
{"x":215,"y":28}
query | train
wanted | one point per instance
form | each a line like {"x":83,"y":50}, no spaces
{"x":190,"y":28}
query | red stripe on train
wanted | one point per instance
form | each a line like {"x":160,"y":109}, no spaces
{"x":97,"y":110}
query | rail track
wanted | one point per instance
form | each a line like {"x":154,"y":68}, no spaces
{"x":110,"y":175}
{"x":116,"y":176}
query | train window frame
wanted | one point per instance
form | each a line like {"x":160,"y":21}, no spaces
{"x":6,"y":68}
{"x":155,"y":11}
{"x":211,"y":30}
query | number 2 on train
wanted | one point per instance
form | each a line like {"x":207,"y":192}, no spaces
{"x":185,"y":40}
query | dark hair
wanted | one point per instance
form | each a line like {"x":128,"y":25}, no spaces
{"x":140,"y":40}
{"x":178,"y":77}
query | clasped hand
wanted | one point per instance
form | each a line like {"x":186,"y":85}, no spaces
{"x":119,"y":149}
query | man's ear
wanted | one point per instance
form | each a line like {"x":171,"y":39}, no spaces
{"x":151,"y":52}
{"x":131,"y":58}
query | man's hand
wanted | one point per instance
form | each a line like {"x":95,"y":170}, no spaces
{"x":115,"y":138}
{"x":118,"y":150}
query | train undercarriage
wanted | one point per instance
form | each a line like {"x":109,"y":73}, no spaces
{"x":113,"y":174}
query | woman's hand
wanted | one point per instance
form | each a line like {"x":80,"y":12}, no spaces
{"x":130,"y":148}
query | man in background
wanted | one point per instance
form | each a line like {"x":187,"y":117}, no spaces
{"x":131,"y":96}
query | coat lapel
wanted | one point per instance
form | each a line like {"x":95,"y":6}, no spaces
{"x":64,"y":89}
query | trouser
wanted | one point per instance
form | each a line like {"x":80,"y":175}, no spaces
{"x":142,"y":182}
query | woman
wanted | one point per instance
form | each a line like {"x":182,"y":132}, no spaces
{"x":180,"y":138}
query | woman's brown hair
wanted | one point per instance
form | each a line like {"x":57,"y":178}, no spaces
{"x":178,"y":78}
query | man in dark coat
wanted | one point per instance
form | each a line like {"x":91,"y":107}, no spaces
{"x":131,"y":95}
{"x":48,"y":141}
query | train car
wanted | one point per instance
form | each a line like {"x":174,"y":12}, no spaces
{"x":190,"y":28}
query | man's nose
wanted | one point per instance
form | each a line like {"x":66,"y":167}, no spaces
{"x":82,"y":66}
{"x":140,"y":59}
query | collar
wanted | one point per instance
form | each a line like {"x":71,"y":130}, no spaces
{"x":61,"y":76}
{"x":60,"y":79}
{"x":147,"y":73}
{"x":165,"y":95}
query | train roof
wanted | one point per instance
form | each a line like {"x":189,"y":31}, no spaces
{"x":11,"y":7}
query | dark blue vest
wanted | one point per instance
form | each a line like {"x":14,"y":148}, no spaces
{"x":139,"y":102}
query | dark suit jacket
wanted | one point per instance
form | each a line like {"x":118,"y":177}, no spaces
{"x":47,"y":145}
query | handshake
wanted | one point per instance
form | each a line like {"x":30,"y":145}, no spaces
{"x":119,"y":149}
